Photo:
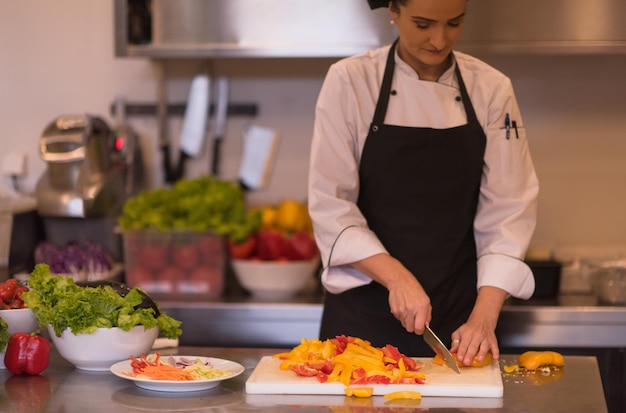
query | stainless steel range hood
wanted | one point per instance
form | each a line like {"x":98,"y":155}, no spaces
{"x":545,"y":26}
{"x":256,"y":28}
{"x":336,"y":28}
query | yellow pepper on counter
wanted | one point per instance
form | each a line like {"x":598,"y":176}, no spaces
{"x":532,"y":360}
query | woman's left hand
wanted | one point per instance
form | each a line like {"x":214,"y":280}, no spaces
{"x":477,"y":336}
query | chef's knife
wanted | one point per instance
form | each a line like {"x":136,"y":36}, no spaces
{"x":433,"y":341}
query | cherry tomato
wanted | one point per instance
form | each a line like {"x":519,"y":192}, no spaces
{"x":17,"y":303}
{"x":19,"y":291}
{"x":7,"y":291}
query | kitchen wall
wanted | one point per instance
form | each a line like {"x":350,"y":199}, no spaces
{"x":57,"y":58}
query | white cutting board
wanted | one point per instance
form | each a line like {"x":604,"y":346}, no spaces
{"x":268,"y":378}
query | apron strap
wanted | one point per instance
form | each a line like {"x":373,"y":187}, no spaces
{"x":467,"y":103}
{"x":385,"y":88}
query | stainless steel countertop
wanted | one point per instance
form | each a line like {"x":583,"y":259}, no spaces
{"x":576,"y":321}
{"x":62,"y":388}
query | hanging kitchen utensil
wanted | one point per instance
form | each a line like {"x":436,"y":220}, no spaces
{"x":259,"y":148}
{"x":194,"y":123}
{"x":220,"y":122}
{"x":438,"y":347}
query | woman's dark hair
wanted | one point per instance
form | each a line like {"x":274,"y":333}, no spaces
{"x":375,"y":4}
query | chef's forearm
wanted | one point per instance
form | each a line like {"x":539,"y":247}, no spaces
{"x":382,"y":268}
{"x":488,"y":305}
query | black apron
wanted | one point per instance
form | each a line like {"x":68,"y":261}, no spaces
{"x":419,"y":190}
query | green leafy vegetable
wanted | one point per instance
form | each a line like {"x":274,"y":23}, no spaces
{"x":4,"y":334}
{"x":202,"y":204}
{"x":58,"y":301}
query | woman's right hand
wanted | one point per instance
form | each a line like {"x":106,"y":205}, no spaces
{"x":408,"y":301}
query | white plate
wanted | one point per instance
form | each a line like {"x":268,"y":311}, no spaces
{"x":235,"y":369}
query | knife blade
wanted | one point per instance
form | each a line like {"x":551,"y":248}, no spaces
{"x":438,"y":347}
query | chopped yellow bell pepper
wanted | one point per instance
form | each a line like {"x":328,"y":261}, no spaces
{"x":404,"y":394}
{"x":353,"y":360}
{"x":345,"y":375}
{"x":401,"y":368}
{"x":359,"y":391}
{"x":387,"y":373}
{"x":510,"y":369}
{"x":368,"y":363}
{"x":364,"y":347}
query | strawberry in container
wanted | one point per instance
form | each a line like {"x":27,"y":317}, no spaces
{"x":175,"y":238}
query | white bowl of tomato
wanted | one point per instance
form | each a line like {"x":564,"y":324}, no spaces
{"x":18,"y":318}
{"x":12,"y":308}
{"x":275,"y":280}
{"x":272,"y":264}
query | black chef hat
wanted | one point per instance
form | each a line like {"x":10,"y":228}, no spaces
{"x":375,"y":4}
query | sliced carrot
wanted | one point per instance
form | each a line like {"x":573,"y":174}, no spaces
{"x":163,"y":372}
{"x":157,"y":370}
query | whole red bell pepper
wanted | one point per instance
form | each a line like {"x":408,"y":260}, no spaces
{"x":27,"y":353}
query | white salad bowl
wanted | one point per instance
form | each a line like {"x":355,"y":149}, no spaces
{"x":101,"y":349}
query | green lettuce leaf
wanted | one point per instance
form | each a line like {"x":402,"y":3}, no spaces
{"x":57,"y":301}
{"x":4,"y":334}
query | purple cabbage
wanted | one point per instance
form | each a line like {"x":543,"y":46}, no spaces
{"x":88,"y":261}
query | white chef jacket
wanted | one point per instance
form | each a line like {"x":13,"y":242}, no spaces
{"x":506,"y":214}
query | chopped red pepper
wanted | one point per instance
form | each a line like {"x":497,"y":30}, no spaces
{"x":325,"y":367}
{"x":322,"y":377}
{"x":374,"y":379}
{"x":27,"y":353}
{"x":303,"y":370}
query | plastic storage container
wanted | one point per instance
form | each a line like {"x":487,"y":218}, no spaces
{"x":176,"y":264}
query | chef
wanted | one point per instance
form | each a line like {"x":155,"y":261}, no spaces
{"x":422,"y":190}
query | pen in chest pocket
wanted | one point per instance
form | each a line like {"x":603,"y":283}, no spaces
{"x":514,"y":126}
{"x":508,"y":124}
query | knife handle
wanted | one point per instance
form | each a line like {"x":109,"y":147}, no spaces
{"x":217,"y":143}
